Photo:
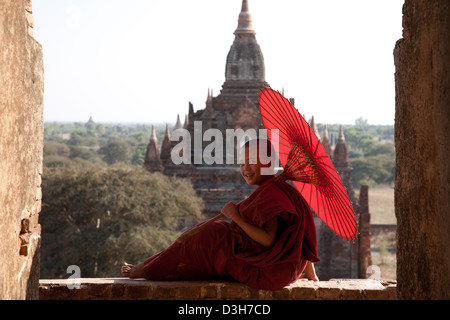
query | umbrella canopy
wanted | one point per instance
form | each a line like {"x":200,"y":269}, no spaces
{"x":309,"y":167}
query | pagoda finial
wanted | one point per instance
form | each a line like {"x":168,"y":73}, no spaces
{"x":153,"y":136}
{"x":209,"y":98}
{"x":314,"y":127}
{"x":178,"y":124}
{"x":167,"y":131}
{"x":245,"y":26}
{"x":325,"y":131}
{"x":341,"y":137}
{"x":326,"y":142}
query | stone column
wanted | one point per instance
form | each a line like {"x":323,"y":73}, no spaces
{"x":21,"y":151}
{"x":422,"y":124}
{"x":364,"y":253}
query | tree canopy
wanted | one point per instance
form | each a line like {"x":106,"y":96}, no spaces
{"x":97,"y":217}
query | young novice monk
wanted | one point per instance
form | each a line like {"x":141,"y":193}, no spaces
{"x":269,"y":243}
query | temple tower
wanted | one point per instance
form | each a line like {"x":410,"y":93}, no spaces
{"x":342,"y":164}
{"x":152,"y":157}
{"x":245,"y":62}
{"x":341,"y":258}
{"x":165,"y":148}
{"x":236,"y":107}
{"x":326,"y":142}
{"x":313,"y":126}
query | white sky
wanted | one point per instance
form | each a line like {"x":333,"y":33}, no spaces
{"x":143,"y":60}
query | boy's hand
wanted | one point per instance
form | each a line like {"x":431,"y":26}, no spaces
{"x":230,"y":210}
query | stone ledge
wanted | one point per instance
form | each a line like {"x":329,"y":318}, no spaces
{"x":127,"y":289}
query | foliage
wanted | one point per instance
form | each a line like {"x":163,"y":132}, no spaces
{"x":373,"y":170}
{"x":376,"y":166}
{"x":357,"y":139}
{"x":97,"y":217}
{"x":116,"y":151}
{"x":377,"y":149}
{"x":108,"y":143}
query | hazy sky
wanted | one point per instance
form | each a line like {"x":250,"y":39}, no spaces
{"x":144,"y":60}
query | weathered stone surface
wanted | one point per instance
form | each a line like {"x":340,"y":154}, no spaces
{"x":125,"y":289}
{"x":283,"y":294}
{"x":422,"y":125}
{"x":232,"y":291}
{"x":192,"y":292}
{"x":21,"y":150}
{"x":304,"y":290}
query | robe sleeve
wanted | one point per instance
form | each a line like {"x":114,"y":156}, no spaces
{"x":296,"y":238}
{"x":270,"y":203}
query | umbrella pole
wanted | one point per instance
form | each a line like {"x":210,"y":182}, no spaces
{"x":196,"y":230}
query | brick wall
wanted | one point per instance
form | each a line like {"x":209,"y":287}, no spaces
{"x":126,"y":289}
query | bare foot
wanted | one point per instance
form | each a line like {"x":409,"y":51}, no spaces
{"x":133,"y":272}
{"x":310,"y":272}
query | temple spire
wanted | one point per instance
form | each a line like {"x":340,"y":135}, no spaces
{"x":245,"y":61}
{"x":341,"y":137}
{"x":191,"y":109}
{"x":313,"y":126}
{"x":165,"y":148}
{"x":210,"y":95}
{"x":340,"y":155}
{"x":326,"y":142}
{"x":245,"y":27}
{"x":153,"y":136}
{"x":152,"y":157}
{"x":178,"y":125}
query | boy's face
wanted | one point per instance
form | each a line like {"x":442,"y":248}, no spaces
{"x":251,"y":167}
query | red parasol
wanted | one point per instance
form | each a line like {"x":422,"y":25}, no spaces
{"x":301,"y":151}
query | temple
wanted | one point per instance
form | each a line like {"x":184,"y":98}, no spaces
{"x":236,"y":107}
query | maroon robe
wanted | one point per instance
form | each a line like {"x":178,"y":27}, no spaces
{"x":223,"y":250}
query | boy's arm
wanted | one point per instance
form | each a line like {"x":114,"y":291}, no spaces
{"x":265,"y":236}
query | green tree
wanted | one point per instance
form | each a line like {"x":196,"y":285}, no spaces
{"x":140,"y":137}
{"x":76,"y":139}
{"x":380,"y":148}
{"x":116,"y":151}
{"x":139,"y":155}
{"x":372,"y":170}
{"x":97,"y":217}
{"x":53,"y":148}
{"x":85,"y":153}
{"x":357,"y":139}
